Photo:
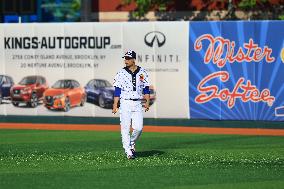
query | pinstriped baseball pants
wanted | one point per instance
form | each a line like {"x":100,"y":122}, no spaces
{"x":131,"y":114}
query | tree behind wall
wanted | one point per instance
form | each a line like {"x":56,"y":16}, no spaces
{"x":65,"y":10}
{"x":257,"y":9}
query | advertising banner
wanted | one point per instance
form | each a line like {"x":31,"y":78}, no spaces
{"x":46,"y":68}
{"x":236,"y":70}
{"x":163,"y":51}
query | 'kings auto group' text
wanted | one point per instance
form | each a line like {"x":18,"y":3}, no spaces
{"x":86,"y":42}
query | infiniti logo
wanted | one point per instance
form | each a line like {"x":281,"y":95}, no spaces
{"x":155,"y":37}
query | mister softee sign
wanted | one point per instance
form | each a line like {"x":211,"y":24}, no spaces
{"x":235,"y":70}
{"x":220,"y":51}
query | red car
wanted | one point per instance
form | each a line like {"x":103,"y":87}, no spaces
{"x":29,"y":91}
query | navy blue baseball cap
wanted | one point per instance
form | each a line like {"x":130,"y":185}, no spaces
{"x":130,"y":54}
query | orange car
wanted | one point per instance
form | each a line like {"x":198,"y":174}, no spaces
{"x":64,"y":94}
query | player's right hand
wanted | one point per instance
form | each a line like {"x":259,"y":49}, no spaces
{"x":114,"y":110}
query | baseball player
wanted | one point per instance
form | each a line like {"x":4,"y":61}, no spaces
{"x":131,"y":85}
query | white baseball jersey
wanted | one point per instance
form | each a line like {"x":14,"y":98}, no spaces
{"x":131,"y":84}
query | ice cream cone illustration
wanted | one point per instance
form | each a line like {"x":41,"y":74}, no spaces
{"x":282,"y":55}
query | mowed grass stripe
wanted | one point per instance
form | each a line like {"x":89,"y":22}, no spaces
{"x":91,"y":159}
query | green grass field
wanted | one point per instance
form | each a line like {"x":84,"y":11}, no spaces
{"x":90,"y":159}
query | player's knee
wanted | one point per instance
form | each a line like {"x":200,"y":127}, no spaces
{"x":138,"y":131}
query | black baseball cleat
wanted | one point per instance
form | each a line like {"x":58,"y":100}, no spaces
{"x":134,"y":153}
{"x":130,"y":157}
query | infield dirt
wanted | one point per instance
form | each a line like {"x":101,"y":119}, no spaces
{"x":147,"y":128}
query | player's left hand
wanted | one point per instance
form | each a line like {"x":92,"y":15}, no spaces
{"x":146,"y":107}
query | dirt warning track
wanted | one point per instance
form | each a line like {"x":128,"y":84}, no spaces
{"x":147,"y":128}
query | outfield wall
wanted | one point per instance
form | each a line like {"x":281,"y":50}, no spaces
{"x":198,"y":70}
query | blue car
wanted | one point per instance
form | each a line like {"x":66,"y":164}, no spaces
{"x":6,"y":82}
{"x":100,"y":92}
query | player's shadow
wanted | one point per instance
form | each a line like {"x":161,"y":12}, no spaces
{"x":150,"y":153}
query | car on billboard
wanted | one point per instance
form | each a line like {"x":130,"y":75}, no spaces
{"x":6,"y":82}
{"x":29,"y":90}
{"x":64,"y":94}
{"x":101,"y":92}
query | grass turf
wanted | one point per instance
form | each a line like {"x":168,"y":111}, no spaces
{"x":90,"y":159}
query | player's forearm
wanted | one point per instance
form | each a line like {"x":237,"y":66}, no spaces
{"x":115,"y":105}
{"x":147,"y":98}
{"x":117,"y":92}
{"x":115,"y":101}
{"x":146,"y":91}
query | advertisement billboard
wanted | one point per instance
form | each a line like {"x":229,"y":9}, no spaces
{"x":86,"y":56}
{"x":235,"y":70}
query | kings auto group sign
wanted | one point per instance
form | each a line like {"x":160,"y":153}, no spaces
{"x":236,"y":70}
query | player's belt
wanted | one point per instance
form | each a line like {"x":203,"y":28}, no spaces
{"x":133,"y":99}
